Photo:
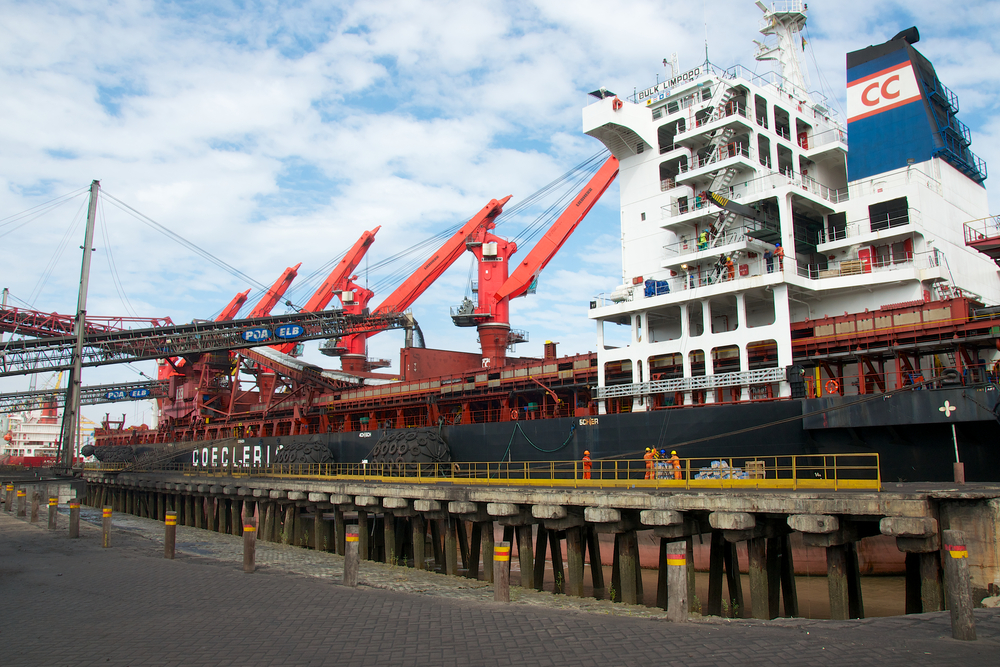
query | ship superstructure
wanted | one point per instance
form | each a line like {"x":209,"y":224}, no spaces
{"x":745,"y":220}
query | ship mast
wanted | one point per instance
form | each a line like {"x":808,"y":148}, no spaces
{"x":71,"y":413}
{"x":784,"y":21}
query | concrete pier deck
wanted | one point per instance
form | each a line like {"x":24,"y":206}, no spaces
{"x":71,"y":602}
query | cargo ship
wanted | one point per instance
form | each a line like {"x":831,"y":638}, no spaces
{"x":780,"y":296}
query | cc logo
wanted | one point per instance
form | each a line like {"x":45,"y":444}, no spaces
{"x":880,"y":91}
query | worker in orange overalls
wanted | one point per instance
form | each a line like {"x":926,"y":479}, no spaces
{"x":649,"y":463}
{"x":675,"y":461}
{"x":587,"y":465}
{"x":779,"y":254}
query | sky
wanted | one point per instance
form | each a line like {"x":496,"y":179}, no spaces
{"x":273,"y":133}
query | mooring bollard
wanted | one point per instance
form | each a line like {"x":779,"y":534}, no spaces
{"x":106,"y":528}
{"x":9,"y":502}
{"x":249,"y":544}
{"x":169,"y":534}
{"x":22,"y":502}
{"x":501,"y":572}
{"x":74,"y":518}
{"x":351,"y":557}
{"x":677,"y":582}
{"x":36,"y":501}
{"x":53,"y":509}
{"x":956,"y":580}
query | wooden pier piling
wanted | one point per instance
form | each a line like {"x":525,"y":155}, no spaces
{"x":352,"y":557}
{"x":106,"y":526}
{"x":53,"y":512}
{"x":169,"y":535}
{"x":955,"y":556}
{"x":249,"y":544}
{"x":501,"y":572}
{"x":74,"y":518}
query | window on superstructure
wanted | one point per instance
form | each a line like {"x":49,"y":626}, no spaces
{"x":696,"y":319}
{"x":640,"y":147}
{"x":658,"y":113}
{"x":764,"y":150}
{"x":836,"y":226}
{"x":781,"y":123}
{"x":892,"y":213}
{"x":785,"y":161}
{"x":665,"y":137}
{"x":672,"y":107}
{"x":759,"y":306}
{"x":726,"y":359}
{"x":760,"y":107}
{"x":762,"y":354}
{"x":706,"y":93}
{"x":723,"y":313}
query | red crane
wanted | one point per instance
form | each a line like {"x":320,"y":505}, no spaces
{"x":273,"y":295}
{"x":527,"y":271}
{"x":404,"y":295}
{"x":229,"y":312}
{"x":491,"y":315}
{"x":338,"y":282}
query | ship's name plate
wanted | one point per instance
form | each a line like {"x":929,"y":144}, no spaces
{"x":665,"y":86}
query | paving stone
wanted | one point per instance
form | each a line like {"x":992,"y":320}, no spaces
{"x":70,"y":602}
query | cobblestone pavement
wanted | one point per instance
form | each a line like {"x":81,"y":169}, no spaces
{"x":70,"y":602}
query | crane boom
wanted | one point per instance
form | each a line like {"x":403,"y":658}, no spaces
{"x":341,"y":272}
{"x":230,"y":311}
{"x":273,"y":295}
{"x":338,"y":280}
{"x":546,"y":248}
{"x":444,"y":257}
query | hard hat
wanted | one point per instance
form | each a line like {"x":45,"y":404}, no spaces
{"x":586,"y":452}
{"x":663,"y":451}
{"x":648,"y":449}
{"x":673,"y":452}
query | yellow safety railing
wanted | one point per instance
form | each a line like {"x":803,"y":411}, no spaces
{"x":805,"y":471}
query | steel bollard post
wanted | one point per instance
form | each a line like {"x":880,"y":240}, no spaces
{"x":22,"y":502}
{"x":249,"y":544}
{"x":74,"y":518}
{"x":53,"y":509}
{"x":106,"y":527}
{"x":955,"y":559}
{"x":351,"y":557}
{"x":501,"y":572}
{"x":169,"y":534}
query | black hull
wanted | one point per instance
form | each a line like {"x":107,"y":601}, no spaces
{"x":909,"y":431}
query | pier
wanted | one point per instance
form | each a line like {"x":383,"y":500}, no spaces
{"x":406,"y":521}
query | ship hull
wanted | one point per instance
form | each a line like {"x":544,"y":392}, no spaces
{"x":914,"y":437}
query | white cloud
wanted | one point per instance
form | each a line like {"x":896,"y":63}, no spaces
{"x":270,"y":135}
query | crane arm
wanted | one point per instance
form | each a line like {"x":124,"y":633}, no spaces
{"x":230,"y":311}
{"x":444,"y":257}
{"x":339,"y":279}
{"x":273,"y":295}
{"x":341,"y":273}
{"x":546,"y":248}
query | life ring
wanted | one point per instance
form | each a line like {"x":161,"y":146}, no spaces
{"x":617,"y":104}
{"x":513,"y":414}
{"x":832,"y":386}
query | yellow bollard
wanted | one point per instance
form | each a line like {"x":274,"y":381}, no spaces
{"x":106,"y":528}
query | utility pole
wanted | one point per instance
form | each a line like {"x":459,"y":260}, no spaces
{"x":71,"y":413}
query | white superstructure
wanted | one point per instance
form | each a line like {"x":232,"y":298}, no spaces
{"x":706,"y":294}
